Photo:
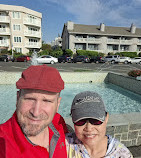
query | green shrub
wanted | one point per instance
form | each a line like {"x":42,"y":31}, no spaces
{"x":56,"y":53}
{"x":16,"y":55}
{"x":87,"y":53}
{"x":110,"y":53}
{"x":69,"y":52}
{"x":129,"y":54}
{"x":4,"y":51}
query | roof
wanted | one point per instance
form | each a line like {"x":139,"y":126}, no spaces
{"x":95,"y":29}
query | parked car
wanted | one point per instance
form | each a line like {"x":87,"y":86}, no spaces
{"x":64,"y":58}
{"x":44,"y":59}
{"x":125,"y":60}
{"x":22,"y":58}
{"x":6,"y":58}
{"x":97,"y":60}
{"x":136,"y":60}
{"x":80,"y":58}
{"x":112,"y":59}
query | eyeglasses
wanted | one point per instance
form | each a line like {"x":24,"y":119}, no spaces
{"x":92,"y":121}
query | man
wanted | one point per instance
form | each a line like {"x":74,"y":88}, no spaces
{"x":36,"y":129}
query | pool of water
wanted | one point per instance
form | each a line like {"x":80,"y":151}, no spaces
{"x":117,"y":100}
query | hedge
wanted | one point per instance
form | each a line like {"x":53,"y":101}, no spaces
{"x":87,"y":53}
{"x":127,"y":54}
{"x":69,"y":52}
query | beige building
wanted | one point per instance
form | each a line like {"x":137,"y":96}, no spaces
{"x":20,"y":29}
{"x":101,"y":38}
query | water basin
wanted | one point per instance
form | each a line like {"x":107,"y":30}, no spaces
{"x":117,"y":100}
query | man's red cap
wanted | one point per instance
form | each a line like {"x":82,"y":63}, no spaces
{"x":41,"y":77}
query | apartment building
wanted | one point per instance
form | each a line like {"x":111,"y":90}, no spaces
{"x":101,"y":38}
{"x":20,"y":29}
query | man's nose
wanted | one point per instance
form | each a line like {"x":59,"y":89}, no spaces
{"x":36,"y":109}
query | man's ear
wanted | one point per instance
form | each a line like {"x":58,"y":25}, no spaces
{"x":59,"y":100}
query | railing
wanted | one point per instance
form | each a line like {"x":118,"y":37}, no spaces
{"x":32,"y":22}
{"x":32,"y":45}
{"x":3,"y":31}
{"x":117,"y":41}
{"x":4,"y":19}
{"x":4,"y":44}
{"x":34,"y":34}
{"x":87,"y":40}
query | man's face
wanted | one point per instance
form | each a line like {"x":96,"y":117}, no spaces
{"x":91,"y":134}
{"x":35,"y":110}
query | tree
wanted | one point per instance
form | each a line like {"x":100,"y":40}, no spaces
{"x":46,"y":47}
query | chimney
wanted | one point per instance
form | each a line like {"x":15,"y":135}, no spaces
{"x":102,"y":27}
{"x":133,"y":28}
{"x":70,"y":25}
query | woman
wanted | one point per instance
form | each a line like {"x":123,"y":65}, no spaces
{"x":90,"y":140}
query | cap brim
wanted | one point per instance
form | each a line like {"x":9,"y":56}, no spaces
{"x":79,"y":114}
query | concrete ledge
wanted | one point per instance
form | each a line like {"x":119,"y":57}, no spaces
{"x":71,"y":77}
{"x":126,"y":82}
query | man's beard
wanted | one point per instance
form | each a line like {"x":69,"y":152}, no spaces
{"x":32,"y":129}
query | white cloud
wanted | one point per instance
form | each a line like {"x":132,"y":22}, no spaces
{"x":111,"y":12}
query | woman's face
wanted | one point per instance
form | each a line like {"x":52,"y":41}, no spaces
{"x":91,"y":134}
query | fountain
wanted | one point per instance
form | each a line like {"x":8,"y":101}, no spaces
{"x":33,"y":58}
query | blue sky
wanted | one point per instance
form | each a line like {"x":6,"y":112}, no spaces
{"x":91,"y":12}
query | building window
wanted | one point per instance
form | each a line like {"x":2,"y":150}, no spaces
{"x":92,"y":46}
{"x":16,"y":27}
{"x":2,"y":28}
{"x":17,"y":39}
{"x":16,"y":15}
{"x":32,"y":19}
{"x":32,"y":30}
{"x":33,"y":41}
{"x":80,"y":46}
{"x":18,"y":50}
{"x":138,"y":48}
{"x":112,"y":47}
{"x":124,"y":48}
{"x":2,"y":40}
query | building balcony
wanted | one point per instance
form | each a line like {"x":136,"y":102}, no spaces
{"x":4,"y":19}
{"x":32,"y":34}
{"x":118,"y":41}
{"x":87,"y":40}
{"x":32,"y":23}
{"x":4,"y":44}
{"x":4,"y":32}
{"x":32,"y":45}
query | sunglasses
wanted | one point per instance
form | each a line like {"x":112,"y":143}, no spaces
{"x":92,"y":121}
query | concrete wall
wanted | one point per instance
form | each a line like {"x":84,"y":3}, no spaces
{"x":129,"y":83}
